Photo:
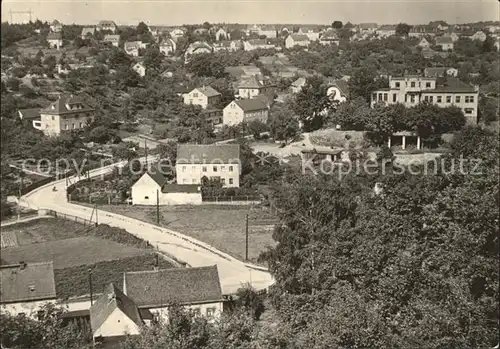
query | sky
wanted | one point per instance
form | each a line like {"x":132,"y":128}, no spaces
{"x":177,"y":12}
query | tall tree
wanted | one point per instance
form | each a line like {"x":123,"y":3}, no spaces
{"x":402,"y":29}
{"x":337,"y":24}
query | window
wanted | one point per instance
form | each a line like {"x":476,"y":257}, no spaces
{"x":184,"y":180}
{"x":426,"y":98}
{"x":230,"y":168}
{"x":223,"y":181}
{"x":183,"y":168}
{"x":468,"y":110}
{"x":412,"y":98}
{"x":146,"y":198}
{"x":222,"y":168}
{"x":204,"y":169}
{"x":469,"y":99}
{"x":448,"y":99}
{"x":195,"y":95}
{"x":193,"y":180}
{"x":380,"y":96}
{"x":230,"y":181}
{"x":74,"y":126}
{"x":210,"y":312}
{"x":214,"y":168}
{"x":394,"y":97}
{"x":457,"y":99}
{"x":81,"y":124}
{"x":413,"y":84}
{"x":385,"y":97}
{"x":439,"y":99}
{"x":374,"y":96}
{"x":52,"y":117}
{"x":428,"y":84}
{"x":397,"y":84}
{"x":66,"y":127}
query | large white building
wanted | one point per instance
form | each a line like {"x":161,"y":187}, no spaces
{"x":411,"y":90}
{"x":196,"y":163}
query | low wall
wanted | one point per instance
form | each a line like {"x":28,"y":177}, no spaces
{"x":338,"y":138}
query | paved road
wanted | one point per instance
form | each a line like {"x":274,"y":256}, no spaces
{"x":233,"y":273}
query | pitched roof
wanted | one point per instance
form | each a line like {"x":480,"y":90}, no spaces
{"x":107,"y":23}
{"x":452,"y":84}
{"x":250,"y":104}
{"x":208,"y":91}
{"x":111,"y":37}
{"x":387,"y":27}
{"x":329,"y":35}
{"x":112,"y":299}
{"x":341,"y":85}
{"x":435,"y":71}
{"x":208,"y":153}
{"x":33,"y":113}
{"x":250,"y":82}
{"x":61,"y":106}
{"x":299,"y":37}
{"x":158,"y":288}
{"x":55,"y":22}
{"x":88,"y":30}
{"x":132,"y":44}
{"x":27,"y":282}
{"x":443,"y":40}
{"x":180,"y":188}
{"x":157,"y":176}
{"x":54,"y":36}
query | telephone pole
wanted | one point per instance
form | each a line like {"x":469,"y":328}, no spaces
{"x":246,"y":237}
{"x":146,"y":150}
{"x":96,"y":222}
{"x":157,"y":207}
{"x":90,"y":285}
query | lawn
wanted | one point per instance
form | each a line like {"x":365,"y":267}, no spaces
{"x":71,"y":252}
{"x":220,"y":226}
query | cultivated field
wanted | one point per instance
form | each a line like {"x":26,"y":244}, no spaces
{"x":71,"y":252}
{"x":220,"y":226}
{"x":74,"y":249}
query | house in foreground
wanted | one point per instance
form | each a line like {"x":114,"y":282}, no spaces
{"x":114,"y":316}
{"x":245,"y":110}
{"x":153,"y":189}
{"x":26,"y":287}
{"x":196,"y":163}
{"x":155,"y":291}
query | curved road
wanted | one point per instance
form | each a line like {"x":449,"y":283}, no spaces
{"x":233,"y":273}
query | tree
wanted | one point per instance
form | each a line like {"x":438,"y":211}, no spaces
{"x":283,"y":125}
{"x":352,"y":114}
{"x":102,"y":134}
{"x":402,"y":29}
{"x":488,"y":109}
{"x":255,"y":128}
{"x":310,"y":103}
{"x":363,"y":81}
{"x":337,"y":24}
{"x":142,"y":28}
{"x":249,"y":299}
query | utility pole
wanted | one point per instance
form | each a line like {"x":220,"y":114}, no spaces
{"x":90,"y":285}
{"x":157,"y":207}
{"x":146,"y":150}
{"x":246,"y":237}
{"x":96,"y":222}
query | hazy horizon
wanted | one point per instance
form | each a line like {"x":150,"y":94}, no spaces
{"x":177,"y":12}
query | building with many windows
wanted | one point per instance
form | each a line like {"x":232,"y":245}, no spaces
{"x":411,"y":90}
{"x":65,"y":114}
{"x":196,"y":163}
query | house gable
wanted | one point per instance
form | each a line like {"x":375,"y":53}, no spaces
{"x":117,"y":324}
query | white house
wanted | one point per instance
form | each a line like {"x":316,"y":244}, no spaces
{"x":245,"y":110}
{"x":55,"y":26}
{"x":87,"y":31}
{"x":197,"y":289}
{"x":55,"y":40}
{"x":167,"y":47}
{"x":114,"y":315}
{"x":269,"y":31}
{"x":153,"y":189}
{"x":26,"y":287}
{"x":293,"y":40}
{"x":196,"y":163}
{"x":198,"y":47}
{"x":337,"y":90}
{"x":132,"y":48}
{"x":424,"y":43}
{"x":107,"y":26}
{"x":113,"y":39}
{"x":312,"y":33}
{"x":454,"y":36}
{"x":177,"y":33}
{"x":221,"y":34}
{"x":386,"y":30}
{"x":329,"y":37}
{"x":297,"y":85}
{"x":139,"y":68}
{"x":254,"y":44}
{"x":253,"y":86}
{"x":479,"y":35}
{"x":203,"y":96}
{"x":445,"y":42}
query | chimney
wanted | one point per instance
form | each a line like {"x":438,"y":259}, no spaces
{"x":22,"y":265}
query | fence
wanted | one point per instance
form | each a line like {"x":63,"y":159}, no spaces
{"x":84,"y":221}
{"x":242,"y":199}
